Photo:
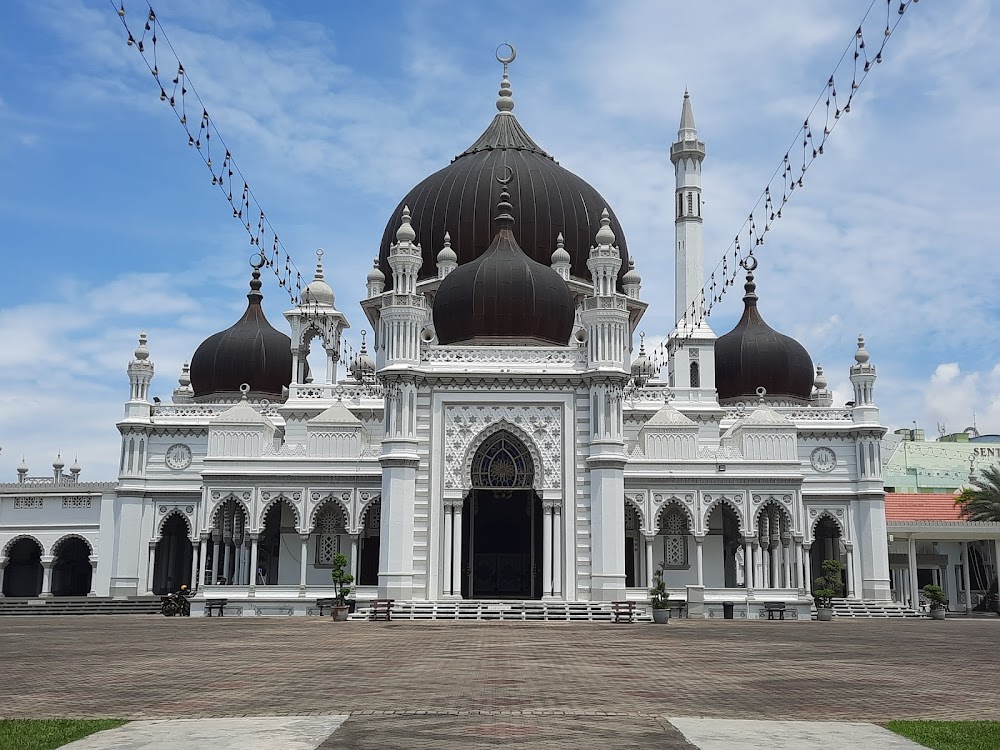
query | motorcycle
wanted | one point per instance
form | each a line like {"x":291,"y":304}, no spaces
{"x":175,"y":605}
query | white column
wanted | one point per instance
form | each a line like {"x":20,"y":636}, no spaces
{"x":355,"y":561}
{"x":807,"y":559}
{"x":456,"y":551}
{"x":911,"y":557}
{"x":3,"y":567}
{"x":216,"y":554}
{"x":252,"y":572}
{"x":786,"y":553}
{"x":557,"y":532}
{"x":149,"y":568}
{"x":446,"y":541}
{"x":649,"y":538}
{"x":546,"y":550}
{"x":196,"y":574}
{"x":700,"y":558}
{"x":229,"y":555}
{"x":204,"y":560}
{"x":966,"y":582}
{"x":775,"y":553}
{"x":47,"y":563}
{"x":852,"y":589}
{"x":748,"y":580}
{"x":93,"y":577}
{"x":303,"y":562}
{"x":799,"y":567}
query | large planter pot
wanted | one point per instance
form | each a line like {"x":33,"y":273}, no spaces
{"x":937,"y":614}
{"x":824,"y":614}
{"x":339,"y":614}
{"x":661,"y":616}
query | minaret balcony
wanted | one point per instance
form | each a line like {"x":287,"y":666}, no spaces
{"x":687,"y":148}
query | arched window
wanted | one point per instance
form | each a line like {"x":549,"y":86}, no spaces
{"x":675,"y":541}
{"x":695,"y":375}
{"x":502,"y":461}
{"x":329,"y":527}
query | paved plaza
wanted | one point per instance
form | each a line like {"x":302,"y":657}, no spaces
{"x":468,"y":684}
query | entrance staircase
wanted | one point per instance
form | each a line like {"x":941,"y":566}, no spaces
{"x":81,"y":605}
{"x":530,"y":610}
{"x":860,"y":608}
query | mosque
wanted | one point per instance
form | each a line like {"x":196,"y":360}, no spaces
{"x":507,"y":438}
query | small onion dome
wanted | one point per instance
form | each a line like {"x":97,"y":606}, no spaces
{"x":447,"y":255}
{"x":75,"y":468}
{"x":559,"y":255}
{"x":318,"y":292}
{"x":58,"y":463}
{"x":820,"y":381}
{"x":861,"y":356}
{"x":631,"y":276}
{"x":22,"y":468}
{"x":251,"y":352}
{"x":375,"y":275}
{"x":642,"y":368}
{"x":503,"y":296}
{"x":753,"y":355}
{"x":363,"y":366}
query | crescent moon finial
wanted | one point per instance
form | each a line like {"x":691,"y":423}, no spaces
{"x":508,"y":173}
{"x":749,"y":263}
{"x":256,"y":261}
{"x":506,"y":59}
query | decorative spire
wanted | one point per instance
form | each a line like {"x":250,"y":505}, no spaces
{"x":504,"y":218}
{"x":505,"y":102}
{"x":750,"y":297}
{"x":142,"y":351}
{"x":820,"y":381}
{"x":605,"y":235}
{"x":405,"y":233}
{"x":185,"y":379}
{"x":447,"y":260}
{"x":22,"y":470}
{"x":687,"y":130}
{"x":861,"y":356}
{"x":75,"y":468}
{"x":254,"y":295}
{"x":319,"y":265}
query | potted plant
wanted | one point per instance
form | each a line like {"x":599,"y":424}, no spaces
{"x":936,"y":596}
{"x":827,"y":587}
{"x":342,"y":581}
{"x":658,"y":597}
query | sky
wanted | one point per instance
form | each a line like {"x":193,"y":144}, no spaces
{"x":333,"y":111}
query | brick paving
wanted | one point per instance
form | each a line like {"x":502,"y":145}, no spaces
{"x":467,"y":684}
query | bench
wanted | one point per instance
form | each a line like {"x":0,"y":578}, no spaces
{"x":322,"y":604}
{"x":773,"y":608}
{"x":215,"y":605}
{"x":623,"y":611}
{"x":381,"y":609}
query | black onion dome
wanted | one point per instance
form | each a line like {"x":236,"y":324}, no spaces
{"x":503,"y":296}
{"x":250,"y":352}
{"x":547,"y":200}
{"x":754,"y":355}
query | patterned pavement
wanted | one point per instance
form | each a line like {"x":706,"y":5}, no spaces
{"x":470,"y":685}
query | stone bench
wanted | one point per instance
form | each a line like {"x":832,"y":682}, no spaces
{"x":775,"y":608}
{"x":623,"y":611}
{"x":215,"y":605}
{"x":381,"y":609}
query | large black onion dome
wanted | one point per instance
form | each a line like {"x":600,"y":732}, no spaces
{"x":547,"y":200}
{"x":754,"y":355}
{"x":250,"y":352}
{"x":503,"y":296}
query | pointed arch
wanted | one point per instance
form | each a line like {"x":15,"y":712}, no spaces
{"x":65,"y":537}
{"x":785,"y":513}
{"x":503,"y":425}
{"x":674,"y":503}
{"x":280,"y":497}
{"x":163,"y":522}
{"x":15,"y":539}
{"x":830,"y":516}
{"x":638,"y":506}
{"x":214,"y":510}
{"x":331,"y":498}
{"x":728,"y":502}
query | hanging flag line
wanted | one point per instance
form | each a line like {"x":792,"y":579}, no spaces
{"x":827,"y":111}
{"x":175,"y":86}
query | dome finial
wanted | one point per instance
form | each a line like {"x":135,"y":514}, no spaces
{"x":861,"y":356}
{"x":504,"y":218}
{"x":142,"y":351}
{"x":406,"y":232}
{"x":505,"y":102}
{"x":605,"y":235}
{"x":319,"y":264}
{"x":256,"y":263}
{"x":750,"y":264}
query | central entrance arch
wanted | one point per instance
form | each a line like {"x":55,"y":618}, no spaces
{"x":502,"y":523}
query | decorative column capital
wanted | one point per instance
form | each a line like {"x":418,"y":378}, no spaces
{"x":48,"y":561}
{"x":254,"y":536}
{"x":699,"y":539}
{"x":649,"y":536}
{"x":205,"y":536}
{"x":152,"y":543}
{"x":453,"y":502}
{"x":304,"y":536}
{"x":549,"y":506}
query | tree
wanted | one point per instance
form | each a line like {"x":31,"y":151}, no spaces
{"x":828,"y":586}
{"x":981,"y":501}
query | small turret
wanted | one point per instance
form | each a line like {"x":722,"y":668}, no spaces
{"x":22,"y":471}
{"x":632,"y":281}
{"x":57,"y":468}
{"x":561,"y":261}
{"x":140,"y":373}
{"x":447,"y":260}
{"x":376,"y":280}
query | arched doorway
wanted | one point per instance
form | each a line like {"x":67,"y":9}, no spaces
{"x":23,"y":574}
{"x":368,"y":565}
{"x":174,"y":557}
{"x":722,"y":548}
{"x":633,"y":546}
{"x":72,"y":571}
{"x":502,"y":524}
{"x":774,"y":538}
{"x":826,"y":546}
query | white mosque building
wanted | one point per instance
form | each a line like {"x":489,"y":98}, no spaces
{"x":507,"y":439}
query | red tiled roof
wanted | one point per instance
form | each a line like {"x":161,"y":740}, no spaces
{"x":905,"y":506}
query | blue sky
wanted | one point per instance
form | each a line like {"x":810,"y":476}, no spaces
{"x":334,"y":110}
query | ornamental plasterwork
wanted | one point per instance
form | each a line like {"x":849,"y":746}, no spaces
{"x":540,"y":428}
{"x":823,"y":459}
{"x":286,"y":449}
{"x":27,"y":503}
{"x":724,"y":452}
{"x":500,"y":355}
{"x":837,"y":514}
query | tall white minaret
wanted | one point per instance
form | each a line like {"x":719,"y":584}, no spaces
{"x":687,"y":154}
